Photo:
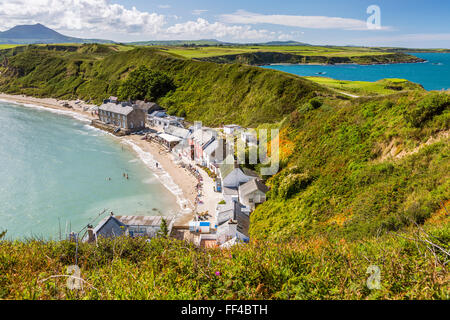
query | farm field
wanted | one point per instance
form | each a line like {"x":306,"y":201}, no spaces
{"x":366,"y":88}
{"x":204,"y":52}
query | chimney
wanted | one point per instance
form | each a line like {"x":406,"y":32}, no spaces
{"x":91,"y":235}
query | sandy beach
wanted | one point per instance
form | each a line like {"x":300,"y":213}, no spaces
{"x":176,"y":178}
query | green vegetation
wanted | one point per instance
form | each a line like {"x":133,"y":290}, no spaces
{"x":209,"y":92}
{"x":365,"y":88}
{"x":365,"y":161}
{"x":145,"y":84}
{"x":260,"y":54}
{"x":318,"y":268}
{"x":353,"y":171}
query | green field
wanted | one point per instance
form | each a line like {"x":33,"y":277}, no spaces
{"x":203,"y":52}
{"x":365,"y":88}
{"x":8,"y":46}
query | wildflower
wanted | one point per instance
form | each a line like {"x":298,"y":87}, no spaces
{"x":217,"y":273}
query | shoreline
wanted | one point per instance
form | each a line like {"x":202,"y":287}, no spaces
{"x":174,"y":178}
{"x":340,"y":64}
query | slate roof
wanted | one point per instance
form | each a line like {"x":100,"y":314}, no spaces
{"x":154,"y":221}
{"x":177,"y":131}
{"x":227,"y":166}
{"x":232,"y":211}
{"x":116,"y":108}
{"x":148,"y":106}
{"x":158,"y":114}
{"x":251,"y":186}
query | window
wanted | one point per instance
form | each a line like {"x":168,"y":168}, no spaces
{"x":250,"y":200}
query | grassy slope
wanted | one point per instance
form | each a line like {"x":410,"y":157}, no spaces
{"x":318,"y":268}
{"x":203,"y":52}
{"x":365,"y":88}
{"x":337,"y":168}
{"x":205,"y":91}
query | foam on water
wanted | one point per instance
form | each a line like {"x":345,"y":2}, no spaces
{"x":161,"y":174}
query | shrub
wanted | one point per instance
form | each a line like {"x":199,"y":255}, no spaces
{"x":426,"y":109}
{"x":144,"y":83}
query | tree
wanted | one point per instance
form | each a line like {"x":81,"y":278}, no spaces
{"x":145,"y":84}
{"x":164,"y":229}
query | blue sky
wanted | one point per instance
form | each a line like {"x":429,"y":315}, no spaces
{"x":413,"y":23}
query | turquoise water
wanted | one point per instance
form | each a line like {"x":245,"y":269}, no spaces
{"x":432,"y":75}
{"x":54,"y":171}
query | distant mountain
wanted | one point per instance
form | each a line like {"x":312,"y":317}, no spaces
{"x":213,"y":42}
{"x":284,"y":43}
{"x":204,"y":42}
{"x":38,"y":33}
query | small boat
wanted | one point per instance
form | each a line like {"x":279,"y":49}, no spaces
{"x":321,"y":73}
{"x":116,"y":130}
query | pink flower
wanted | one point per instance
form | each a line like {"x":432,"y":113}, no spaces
{"x":217,"y":273}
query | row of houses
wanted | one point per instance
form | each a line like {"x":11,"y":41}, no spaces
{"x":241,"y":189}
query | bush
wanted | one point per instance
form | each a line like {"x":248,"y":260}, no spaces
{"x":314,"y":104}
{"x":145,"y":84}
{"x":425,"y":110}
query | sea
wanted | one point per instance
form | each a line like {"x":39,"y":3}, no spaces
{"x":58,"y":174}
{"x":434,"y":74}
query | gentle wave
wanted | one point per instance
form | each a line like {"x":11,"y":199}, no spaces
{"x":161,"y":174}
{"x":72,"y":114}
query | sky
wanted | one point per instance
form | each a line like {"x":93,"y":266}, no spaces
{"x":404,"y":23}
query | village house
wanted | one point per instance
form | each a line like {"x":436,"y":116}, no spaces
{"x":133,"y":226}
{"x":214,"y":154}
{"x":160,"y":120}
{"x":231,"y":175}
{"x":123,"y":117}
{"x":148,"y":107}
{"x":232,"y":222}
{"x":198,"y":141}
{"x":252,"y":193}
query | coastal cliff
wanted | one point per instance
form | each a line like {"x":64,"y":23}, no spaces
{"x":265,"y":58}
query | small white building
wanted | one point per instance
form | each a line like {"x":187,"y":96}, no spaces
{"x":232,"y":223}
{"x":252,"y":193}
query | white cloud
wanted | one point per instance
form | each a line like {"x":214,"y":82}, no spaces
{"x":107,"y":20}
{"x":198,"y":12}
{"x":192,"y":29}
{"x":311,"y":22}
{"x":164,"y":6}
{"x":80,"y":15}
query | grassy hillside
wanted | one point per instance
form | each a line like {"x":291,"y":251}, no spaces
{"x":365,"y":88}
{"x":209,"y":92}
{"x":317,"y":268}
{"x":359,"y":167}
{"x":265,"y":54}
{"x":353,"y":173}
